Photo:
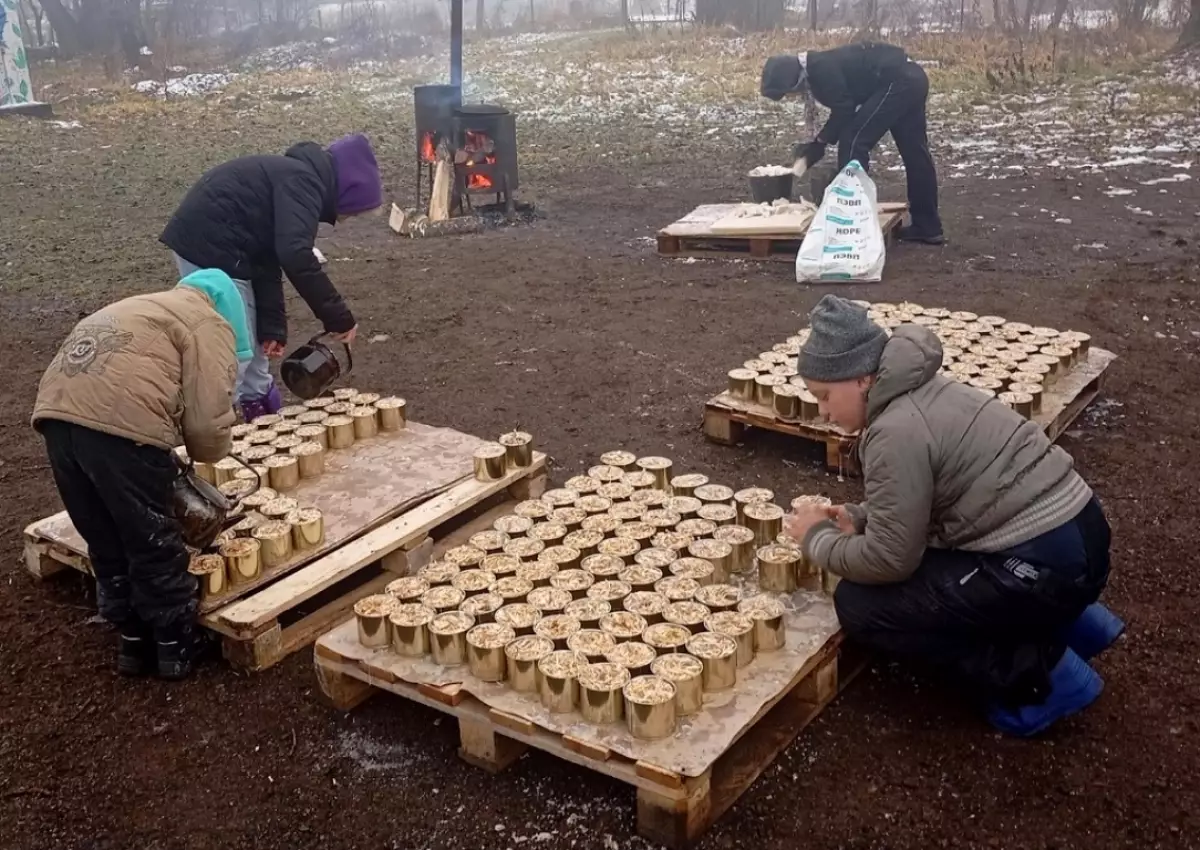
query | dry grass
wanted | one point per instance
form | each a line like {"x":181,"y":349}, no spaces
{"x":957,"y":60}
{"x":606,"y":70}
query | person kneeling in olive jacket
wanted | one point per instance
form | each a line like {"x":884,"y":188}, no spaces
{"x":130,"y":383}
{"x":979,"y":548}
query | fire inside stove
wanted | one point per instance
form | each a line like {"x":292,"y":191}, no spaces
{"x":480,"y":149}
{"x":428,"y":146}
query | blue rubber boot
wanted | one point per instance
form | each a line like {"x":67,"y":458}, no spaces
{"x":1073,"y":687}
{"x":1095,"y":631}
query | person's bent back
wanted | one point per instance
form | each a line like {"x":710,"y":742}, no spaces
{"x":130,"y":383}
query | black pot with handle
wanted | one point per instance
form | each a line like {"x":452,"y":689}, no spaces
{"x":313,"y":367}
{"x":202,"y":510}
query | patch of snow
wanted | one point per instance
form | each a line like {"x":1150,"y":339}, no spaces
{"x":1174,"y":178}
{"x":372,"y":756}
{"x":191,"y":85}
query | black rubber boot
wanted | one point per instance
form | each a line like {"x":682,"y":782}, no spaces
{"x":180,"y":647}
{"x":908,"y":233}
{"x":135,"y":649}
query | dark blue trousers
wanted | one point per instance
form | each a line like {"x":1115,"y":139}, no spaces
{"x":995,"y":620}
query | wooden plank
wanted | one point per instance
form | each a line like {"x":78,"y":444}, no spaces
{"x":659,"y":776}
{"x":675,"y":821}
{"x":450,"y":695}
{"x":722,"y":428}
{"x":251,"y":613}
{"x":256,"y":652}
{"x":310,"y":627}
{"x":511,"y":721}
{"x":39,"y":562}
{"x":1067,"y":397}
{"x":482,"y":746}
{"x":339,"y":690}
{"x":738,"y":769}
{"x":799,"y":681}
{"x":45,"y":556}
{"x":529,"y":487}
{"x":591,"y":749}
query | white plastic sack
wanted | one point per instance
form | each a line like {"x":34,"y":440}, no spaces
{"x":844,"y":241}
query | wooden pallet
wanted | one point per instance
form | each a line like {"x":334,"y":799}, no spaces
{"x":262,"y":627}
{"x":672,"y":808}
{"x":692,"y":236}
{"x":726,"y":418}
{"x":362,"y":487}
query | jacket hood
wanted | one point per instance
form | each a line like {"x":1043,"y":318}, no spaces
{"x":227,"y":301}
{"x":781,"y":76}
{"x":910,"y":359}
{"x":319,"y":160}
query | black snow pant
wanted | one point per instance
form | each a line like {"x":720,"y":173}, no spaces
{"x":994,"y":620}
{"x":899,"y":108}
{"x":118,"y":495}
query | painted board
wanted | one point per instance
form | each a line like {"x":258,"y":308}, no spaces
{"x":15,"y":85}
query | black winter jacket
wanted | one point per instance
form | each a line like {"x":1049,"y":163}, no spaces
{"x":844,"y":78}
{"x":255,"y":218}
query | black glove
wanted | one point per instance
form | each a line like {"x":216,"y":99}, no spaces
{"x":811,"y":152}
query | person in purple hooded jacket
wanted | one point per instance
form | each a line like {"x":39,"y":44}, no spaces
{"x":256,"y":218}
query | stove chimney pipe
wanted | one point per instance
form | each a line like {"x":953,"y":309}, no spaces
{"x":456,"y":42}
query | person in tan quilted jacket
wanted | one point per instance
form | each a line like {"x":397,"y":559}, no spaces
{"x":130,"y":383}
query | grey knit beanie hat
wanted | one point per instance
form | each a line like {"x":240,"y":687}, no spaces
{"x":842,"y":342}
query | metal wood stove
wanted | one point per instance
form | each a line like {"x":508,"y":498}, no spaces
{"x":485,"y":162}
{"x":481,"y":139}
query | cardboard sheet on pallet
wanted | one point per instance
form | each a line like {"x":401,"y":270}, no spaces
{"x":698,"y":742}
{"x":362,"y":486}
{"x":713,"y":220}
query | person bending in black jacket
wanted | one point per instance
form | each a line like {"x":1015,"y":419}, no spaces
{"x":870,"y":89}
{"x":255,"y":218}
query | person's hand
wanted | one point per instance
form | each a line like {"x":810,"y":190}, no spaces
{"x":797,"y":524}
{"x":810,"y":152}
{"x":347,"y":337}
{"x":273,"y":348}
{"x":841,"y":516}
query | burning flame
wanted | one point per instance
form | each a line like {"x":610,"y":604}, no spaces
{"x":482,"y":150}
{"x":479,"y":181}
{"x":428,"y":154}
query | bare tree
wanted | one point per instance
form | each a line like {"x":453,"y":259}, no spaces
{"x":1060,"y":10}
{"x":743,"y":14}
{"x":1191,"y":32}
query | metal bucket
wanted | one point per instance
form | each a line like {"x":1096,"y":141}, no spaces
{"x":771,"y":187}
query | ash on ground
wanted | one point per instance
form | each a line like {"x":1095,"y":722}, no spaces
{"x":495,"y":215}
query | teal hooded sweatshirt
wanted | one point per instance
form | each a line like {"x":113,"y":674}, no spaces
{"x":227,"y":301}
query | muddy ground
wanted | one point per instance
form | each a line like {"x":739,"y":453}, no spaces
{"x":574,"y":329}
